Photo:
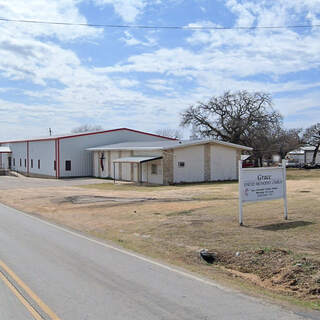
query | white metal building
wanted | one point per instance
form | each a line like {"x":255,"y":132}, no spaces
{"x":65,"y":155}
{"x":167,"y":162}
{"x":303,"y":155}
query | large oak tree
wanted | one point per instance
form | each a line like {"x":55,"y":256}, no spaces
{"x":312,"y":137}
{"x":240,"y":117}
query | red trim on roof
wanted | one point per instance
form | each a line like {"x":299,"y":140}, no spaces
{"x":28,"y":169}
{"x":87,"y":134}
{"x":58,"y":158}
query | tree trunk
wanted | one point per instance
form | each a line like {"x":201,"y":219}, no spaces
{"x":315,"y":154}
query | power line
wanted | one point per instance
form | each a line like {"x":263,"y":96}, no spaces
{"x":157,"y":27}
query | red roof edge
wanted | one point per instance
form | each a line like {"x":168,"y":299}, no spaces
{"x":87,"y":134}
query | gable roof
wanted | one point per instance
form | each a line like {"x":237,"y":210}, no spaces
{"x":75,"y":135}
{"x":163,"y":145}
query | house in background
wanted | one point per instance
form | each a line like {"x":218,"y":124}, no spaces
{"x":303,"y":155}
{"x":168,"y":162}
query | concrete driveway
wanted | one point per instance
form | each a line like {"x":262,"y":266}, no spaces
{"x":8,"y":182}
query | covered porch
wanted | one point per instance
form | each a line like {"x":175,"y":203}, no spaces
{"x":5,"y":160}
{"x":143,"y":169}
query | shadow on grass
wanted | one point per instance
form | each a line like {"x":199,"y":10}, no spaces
{"x":285,"y":225}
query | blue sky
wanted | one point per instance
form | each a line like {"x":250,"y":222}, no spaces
{"x":65,"y":76}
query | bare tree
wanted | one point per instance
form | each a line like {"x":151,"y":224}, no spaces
{"x":241,"y":117}
{"x":286,"y":140}
{"x":87,"y":128}
{"x":171,"y":133}
{"x":312,"y":137}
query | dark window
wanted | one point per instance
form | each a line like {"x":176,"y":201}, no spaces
{"x":154,"y":169}
{"x":14,"y":162}
{"x":181,"y":164}
{"x":25,"y":163}
{"x":38,"y":164}
{"x":20,"y":162}
{"x":31,"y":163}
{"x":68,"y":165}
{"x":54,"y":165}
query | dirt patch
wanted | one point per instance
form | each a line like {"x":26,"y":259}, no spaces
{"x":276,"y":269}
{"x":86,"y":199}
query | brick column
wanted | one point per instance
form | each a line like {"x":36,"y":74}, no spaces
{"x":131,"y":167}
{"x":207,"y":162}
{"x":168,"y":167}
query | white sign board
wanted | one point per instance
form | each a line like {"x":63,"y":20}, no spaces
{"x":262,"y":184}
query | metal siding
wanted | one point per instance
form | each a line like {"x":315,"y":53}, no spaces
{"x":309,"y":156}
{"x":19,"y":150}
{"x":113,"y":156}
{"x":126,"y":167}
{"x":96,"y":164}
{"x":45,"y":152}
{"x":81,"y":161}
{"x":223,"y":163}
{"x":193,"y":171}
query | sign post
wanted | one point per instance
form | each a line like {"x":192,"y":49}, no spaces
{"x":262,"y":184}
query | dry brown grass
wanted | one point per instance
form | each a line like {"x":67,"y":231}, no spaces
{"x":173,"y":223}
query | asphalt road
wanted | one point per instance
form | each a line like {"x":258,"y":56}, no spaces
{"x":64,"y":275}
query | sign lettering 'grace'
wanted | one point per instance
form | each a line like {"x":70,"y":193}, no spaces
{"x":262,"y":184}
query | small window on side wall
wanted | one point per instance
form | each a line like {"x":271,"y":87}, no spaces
{"x":55,"y":165}
{"x":181,"y":164}
{"x":31,"y":163}
{"x":154,"y":169}
{"x":68,"y":165}
{"x":38,"y":164}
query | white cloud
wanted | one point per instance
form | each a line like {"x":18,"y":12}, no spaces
{"x":130,"y":40}
{"x":56,"y":11}
{"x":212,"y":61}
{"x":128,"y":10}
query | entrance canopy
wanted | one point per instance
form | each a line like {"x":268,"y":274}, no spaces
{"x":5,"y":150}
{"x":136,"y":159}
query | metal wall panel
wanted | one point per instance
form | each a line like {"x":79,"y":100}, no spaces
{"x":45,"y":152}
{"x":19,"y":151}
{"x":223,"y":163}
{"x":81,"y":160}
{"x":193,"y":170}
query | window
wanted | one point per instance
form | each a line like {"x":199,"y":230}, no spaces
{"x":25,"y":163}
{"x":20,"y":162}
{"x":38,"y":164}
{"x":31,"y":163}
{"x":55,"y":165}
{"x":68,"y":165}
{"x":154,"y":169}
{"x":14,"y":162}
{"x":181,"y":164}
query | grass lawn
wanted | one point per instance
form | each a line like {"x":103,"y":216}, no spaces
{"x":172,"y":223}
